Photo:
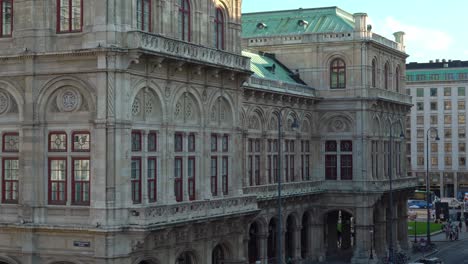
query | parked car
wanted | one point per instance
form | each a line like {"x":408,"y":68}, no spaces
{"x":431,"y":261}
{"x":418,"y":204}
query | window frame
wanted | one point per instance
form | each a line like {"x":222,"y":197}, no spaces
{"x":214,"y":176}
{"x":178,"y":179}
{"x":153,"y":180}
{"x":50,"y":181}
{"x":386,"y":75}
{"x":74,"y":182}
{"x":141,"y":4}
{"x":155,"y":134}
{"x":191,"y":188}
{"x":3,"y":141}
{"x":338,"y":67}
{"x":69,"y":30}
{"x":9,"y":182}
{"x":185,"y":14}
{"x":73,"y":141}
{"x":374,"y":72}
{"x":225,"y":175}
{"x":140,"y":140}
{"x":219,"y":28}
{"x":136,"y":199}
{"x":2,"y":35}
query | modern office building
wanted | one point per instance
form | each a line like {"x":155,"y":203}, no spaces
{"x":438,"y":92}
{"x":139,"y":132}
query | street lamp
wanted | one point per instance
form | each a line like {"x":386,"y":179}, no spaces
{"x":428,"y":198}
{"x":294,"y":125}
{"x":390,"y":196}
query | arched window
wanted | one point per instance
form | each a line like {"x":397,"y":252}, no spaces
{"x":386,"y":72}
{"x":337,"y":74}
{"x":219,"y":29}
{"x":144,"y":15}
{"x":184,"y":20}
{"x":397,"y":79}
{"x":217,"y":257}
{"x":374,"y":72}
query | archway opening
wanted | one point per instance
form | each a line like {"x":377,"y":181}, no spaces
{"x":289,"y":238}
{"x":305,"y":243}
{"x":185,"y":257}
{"x":339,"y":235}
{"x":218,"y":255}
{"x":253,"y":243}
{"x":272,"y":240}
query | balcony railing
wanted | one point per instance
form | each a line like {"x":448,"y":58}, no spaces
{"x":288,"y":189}
{"x":281,"y":87}
{"x":195,"y":210}
{"x":371,"y":93}
{"x":180,"y":49}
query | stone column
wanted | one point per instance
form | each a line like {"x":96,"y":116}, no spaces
{"x":262,"y":247}
{"x":297,"y":243}
{"x":316,"y":248}
{"x":455,"y":184}
{"x":402,"y":223}
{"x":362,"y":248}
{"x":379,"y":232}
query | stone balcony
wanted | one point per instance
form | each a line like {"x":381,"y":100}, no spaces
{"x":181,"y":50}
{"x":366,"y":93}
{"x":280,"y":87}
{"x":154,"y":216}
{"x":289,"y":189}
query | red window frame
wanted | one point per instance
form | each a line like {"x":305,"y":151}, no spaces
{"x":3,"y":140}
{"x":70,"y":18}
{"x":178,"y":142}
{"x":191,"y":142}
{"x":144,"y":25}
{"x":257,"y":170}
{"x":191,"y":171}
{"x":9,"y":195}
{"x":153,"y":147}
{"x":275,"y":168}
{"x":214,"y":176}
{"x":59,"y":183}
{"x":219,"y":28}
{"x":136,"y":137}
{"x":73,"y":141}
{"x":291,"y":166}
{"x":2,"y":34}
{"x":136,"y":182}
{"x":85,"y":184}
{"x":250,"y":170}
{"x":214,"y":143}
{"x":184,"y":20}
{"x":286,"y":168}
{"x":49,"y":142}
{"x":269,"y":168}
{"x":346,"y":167}
{"x":225,"y":143}
{"x":225,"y":174}
{"x":178,"y":179}
{"x":331,"y":167}
{"x":152,"y":180}
{"x":337,"y":72}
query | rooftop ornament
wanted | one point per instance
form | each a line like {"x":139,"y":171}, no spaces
{"x":261,"y":25}
{"x":302,"y":23}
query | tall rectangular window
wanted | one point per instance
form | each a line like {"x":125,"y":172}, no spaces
{"x":419,"y":92}
{"x":214,"y":176}
{"x":191,"y":142}
{"x":136,"y":179}
{"x":219,"y":28}
{"x":214,"y":142}
{"x":433,"y":92}
{"x":57,"y":180}
{"x":69,"y":16}
{"x":144,"y":15}
{"x":184,"y":22}
{"x":178,"y":179}
{"x":191,"y":178}
{"x":6,"y":18}
{"x":461,"y":91}
{"x":81,"y":181}
{"x":253,"y":161}
{"x":224,"y":175}
{"x":338,"y":154}
{"x":152,"y":177}
{"x":305,"y":160}
{"x":178,"y":142}
{"x":136,"y":140}
{"x":225,"y":143}
{"x":330,"y":167}
{"x":10,"y":186}
{"x":152,"y":144}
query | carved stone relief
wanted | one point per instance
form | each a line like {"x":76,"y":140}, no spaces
{"x":4,"y":102}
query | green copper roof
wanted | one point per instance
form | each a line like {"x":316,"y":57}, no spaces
{"x":268,"y":68}
{"x":295,"y":22}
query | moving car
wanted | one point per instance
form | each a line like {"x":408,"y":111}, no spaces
{"x":430,"y":261}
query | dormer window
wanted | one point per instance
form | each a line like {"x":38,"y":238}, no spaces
{"x":302,"y":23}
{"x":261,"y":25}
{"x":271,"y":68}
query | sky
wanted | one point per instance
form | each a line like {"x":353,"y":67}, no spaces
{"x":433,"y":29}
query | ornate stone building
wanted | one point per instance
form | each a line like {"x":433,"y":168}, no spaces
{"x":133,"y":132}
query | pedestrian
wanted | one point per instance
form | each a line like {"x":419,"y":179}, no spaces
{"x":446,"y":230}
{"x":466,"y":224}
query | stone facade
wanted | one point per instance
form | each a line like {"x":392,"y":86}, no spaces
{"x":121,"y":145}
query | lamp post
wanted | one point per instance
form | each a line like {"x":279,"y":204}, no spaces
{"x":294,"y":125}
{"x":390,"y":196}
{"x":428,"y":198}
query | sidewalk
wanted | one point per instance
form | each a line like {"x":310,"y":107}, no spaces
{"x":438,"y":238}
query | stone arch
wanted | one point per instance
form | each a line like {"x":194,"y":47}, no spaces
{"x":336,"y":123}
{"x":146,"y":260}
{"x":225,"y":6}
{"x":221,"y":111}
{"x":187,"y":108}
{"x":7,"y":260}
{"x":272,"y":239}
{"x":147,"y":106}
{"x":187,"y":256}
{"x":376,"y":125}
{"x":221,"y":252}
{"x":242,"y":119}
{"x":71,"y":95}
{"x":256,"y":119}
{"x":306,"y":221}
{"x":290,"y":240}
{"x":338,"y":234}
{"x":305,"y":126}
{"x":11,"y":100}
{"x":253,"y":247}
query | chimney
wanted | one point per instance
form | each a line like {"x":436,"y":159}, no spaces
{"x":360,"y":22}
{"x":400,"y":37}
